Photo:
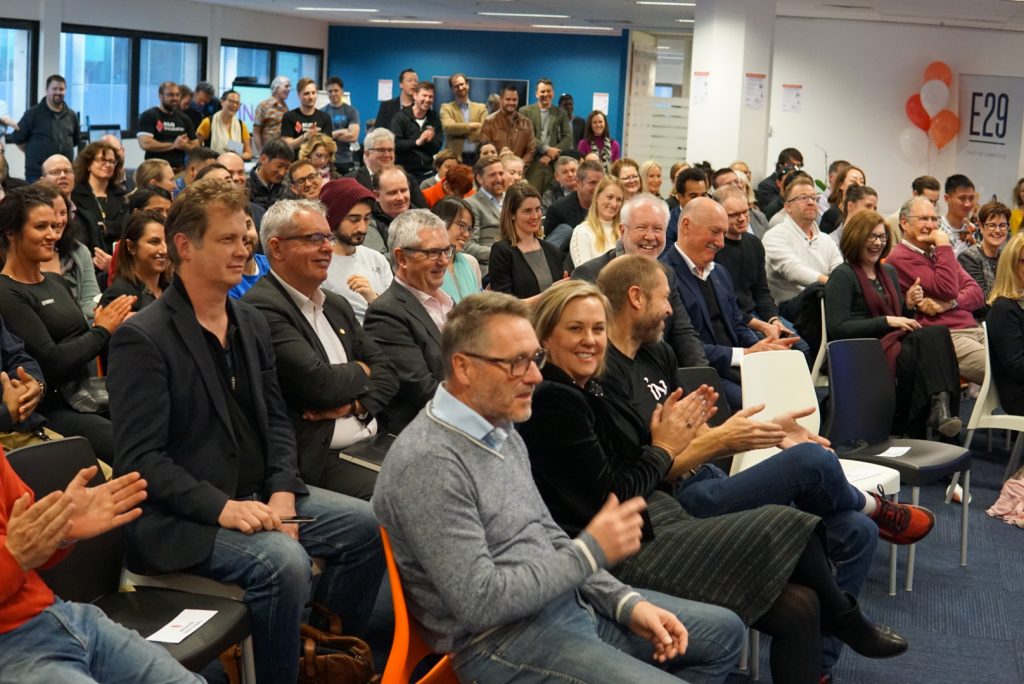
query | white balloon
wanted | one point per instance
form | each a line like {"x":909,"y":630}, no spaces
{"x":914,"y":145}
{"x":934,"y":95}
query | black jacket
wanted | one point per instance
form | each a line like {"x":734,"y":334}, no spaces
{"x":264,"y":195}
{"x":100,"y":223}
{"x":1005,"y":323}
{"x":416,"y":159}
{"x":308,"y":380}
{"x":44,"y":133}
{"x":510,"y":273}
{"x":416,"y":199}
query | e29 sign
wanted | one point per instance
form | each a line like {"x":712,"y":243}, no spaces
{"x":989,"y":115}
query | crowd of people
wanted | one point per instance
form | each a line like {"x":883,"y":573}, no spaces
{"x":492,"y":303}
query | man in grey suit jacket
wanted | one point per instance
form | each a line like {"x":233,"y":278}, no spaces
{"x":486,"y":207}
{"x":552,"y":133}
{"x":406,"y":320}
{"x":335,"y":379}
{"x":462,"y":120}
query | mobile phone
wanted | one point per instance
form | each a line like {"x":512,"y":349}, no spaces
{"x":297,"y":520}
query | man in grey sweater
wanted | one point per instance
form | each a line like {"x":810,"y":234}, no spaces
{"x":487,"y":573}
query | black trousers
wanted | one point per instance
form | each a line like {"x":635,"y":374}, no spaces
{"x":925,"y":366}
{"x":346,"y":477}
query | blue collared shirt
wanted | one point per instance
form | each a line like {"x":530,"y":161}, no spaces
{"x":452,"y":411}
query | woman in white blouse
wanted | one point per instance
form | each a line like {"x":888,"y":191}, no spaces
{"x":599,"y":232}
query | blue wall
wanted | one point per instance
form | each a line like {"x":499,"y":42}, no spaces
{"x":579,"y":65}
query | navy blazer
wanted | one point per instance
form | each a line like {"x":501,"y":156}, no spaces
{"x":719,"y":356}
{"x":171,"y":423}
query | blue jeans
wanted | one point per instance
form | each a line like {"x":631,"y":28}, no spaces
{"x":274,"y":570}
{"x":810,"y":478}
{"x":569,"y":642}
{"x":560,"y":236}
{"x":73,"y":643}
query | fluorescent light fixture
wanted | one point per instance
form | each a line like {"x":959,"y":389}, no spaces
{"x":404,"y":21}
{"x":664,"y":47}
{"x":685,"y":21}
{"x":572,"y":28}
{"x":523,"y":14}
{"x":334,"y":9}
{"x":673,"y":4}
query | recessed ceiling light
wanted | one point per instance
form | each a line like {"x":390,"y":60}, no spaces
{"x":572,"y":28}
{"x":685,"y":21}
{"x":523,"y":14}
{"x":675,"y":4}
{"x":404,"y":21}
{"x":334,"y":9}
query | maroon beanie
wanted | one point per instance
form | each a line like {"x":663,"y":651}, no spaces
{"x":339,"y":196}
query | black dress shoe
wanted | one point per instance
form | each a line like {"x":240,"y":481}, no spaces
{"x":865,"y":637}
{"x":940,"y":418}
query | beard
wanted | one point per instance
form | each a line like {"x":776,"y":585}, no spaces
{"x":352,"y":239}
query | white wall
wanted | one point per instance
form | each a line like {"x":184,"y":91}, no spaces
{"x":857,"y":77}
{"x":162,"y":16}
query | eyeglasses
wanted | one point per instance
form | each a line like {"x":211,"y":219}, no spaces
{"x":925,"y":219}
{"x":104,"y":162}
{"x":630,"y":179}
{"x":736,"y":216}
{"x":997,"y":226}
{"x":880,"y":239}
{"x":804,"y":198}
{"x":316,"y":239}
{"x":463,"y":226}
{"x":432,"y":254}
{"x":643,"y":230}
{"x":517,"y":367}
{"x":383,"y":150}
{"x":306,"y":179}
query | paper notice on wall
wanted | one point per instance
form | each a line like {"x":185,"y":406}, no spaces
{"x":792,"y":97}
{"x":385,"y":87}
{"x":700,"y":87}
{"x":601,"y":103}
{"x":755,"y":90}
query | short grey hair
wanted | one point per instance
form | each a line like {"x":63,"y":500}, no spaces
{"x":643,"y":199}
{"x":724,"y":192}
{"x":377,"y":135}
{"x":908,"y":206}
{"x":404,"y":231}
{"x":281,"y":214}
{"x":278,"y":82}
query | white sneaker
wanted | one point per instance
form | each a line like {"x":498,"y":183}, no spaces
{"x":955,"y":493}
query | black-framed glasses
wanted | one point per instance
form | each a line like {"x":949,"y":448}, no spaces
{"x":997,"y":226}
{"x":517,"y":367}
{"x":306,"y":179}
{"x":432,"y":254}
{"x":316,"y":239}
{"x":880,"y":239}
{"x":804,"y":198}
{"x":383,"y":150}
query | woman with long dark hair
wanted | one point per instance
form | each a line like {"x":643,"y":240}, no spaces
{"x":143,"y":267}
{"x":597,"y":139}
{"x":71,"y":258}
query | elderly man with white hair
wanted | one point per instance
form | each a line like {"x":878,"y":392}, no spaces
{"x":266,"y":121}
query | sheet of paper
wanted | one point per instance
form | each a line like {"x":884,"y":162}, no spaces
{"x":792,"y":93}
{"x":700,"y":87}
{"x":187,"y":621}
{"x":600,"y":102}
{"x":894,"y":452}
{"x":754,"y":87}
{"x":384,"y":89}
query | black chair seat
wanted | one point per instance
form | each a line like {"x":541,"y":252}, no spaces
{"x":925,"y":463}
{"x":147,"y":610}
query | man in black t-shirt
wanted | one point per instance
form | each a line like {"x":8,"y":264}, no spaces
{"x":165,"y":132}
{"x":305,"y":121}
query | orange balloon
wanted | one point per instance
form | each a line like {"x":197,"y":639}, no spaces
{"x":916,"y":113}
{"x":945,"y":126}
{"x":940,"y":71}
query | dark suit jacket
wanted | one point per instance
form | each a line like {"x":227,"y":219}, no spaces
{"x":1005,"y":324}
{"x":416,"y":198}
{"x":511,"y":274}
{"x":403,"y":329}
{"x":719,"y":355}
{"x":309,"y":380}
{"x":171,"y":423}
{"x":679,"y":331}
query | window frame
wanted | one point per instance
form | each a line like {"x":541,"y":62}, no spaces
{"x":274,"y":48}
{"x":32,"y":97}
{"x":135,"y":50}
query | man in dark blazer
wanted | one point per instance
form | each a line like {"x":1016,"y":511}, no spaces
{"x":708,"y":295}
{"x":334,"y":378}
{"x":406,"y":320}
{"x":552,"y":134}
{"x":644,"y":218}
{"x":379,"y":153}
{"x":197,"y":410}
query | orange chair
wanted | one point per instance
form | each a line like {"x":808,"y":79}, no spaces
{"x":408,"y":648}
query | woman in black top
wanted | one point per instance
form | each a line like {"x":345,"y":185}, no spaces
{"x":522,"y":263}
{"x":38,"y":307}
{"x":1005,"y":323}
{"x":101,"y":204}
{"x":143,"y":268}
{"x":72,"y":259}
{"x":768,"y":564}
{"x":863,"y":299}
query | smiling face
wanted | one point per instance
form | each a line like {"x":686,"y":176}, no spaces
{"x":460,"y":88}
{"x":630,"y":177}
{"x":802,"y":203}
{"x":598,"y":125}
{"x":409,"y":81}
{"x":653,"y":180}
{"x":578,"y":342}
{"x":565,"y":175}
{"x":393,"y":192}
{"x":417,"y":268}
{"x":544,"y":94}
{"x":217,"y":260}
{"x":871,"y":252}
{"x":737,"y":211}
{"x":335,"y":94}
{"x":527,"y":218}
{"x":994,"y":231}
{"x":649,"y":326}
{"x":920,"y":223}
{"x":150,"y":251}
{"x":609,"y":202}
{"x":423,"y":100}
{"x":960,"y":203}
{"x":103,"y":165}
{"x":645,"y":234}
{"x":492,"y":391}
{"x":493,"y":179}
{"x":353,"y":226}
{"x":461,"y":229}
{"x":35,"y":243}
{"x":702,"y":231}
{"x":513,"y":169}
{"x":169,"y":98}
{"x":509,"y":101}
{"x":301,"y":263}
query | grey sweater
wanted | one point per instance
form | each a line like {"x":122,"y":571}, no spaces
{"x":475,"y":544}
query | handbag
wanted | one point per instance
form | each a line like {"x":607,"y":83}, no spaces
{"x":330,"y":657}
{"x":86,"y":395}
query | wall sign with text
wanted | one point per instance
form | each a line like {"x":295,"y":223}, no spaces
{"x":988,"y":147}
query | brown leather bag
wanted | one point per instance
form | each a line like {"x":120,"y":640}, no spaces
{"x":332,"y":658}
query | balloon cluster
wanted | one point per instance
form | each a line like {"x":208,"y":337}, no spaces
{"x":927,"y":111}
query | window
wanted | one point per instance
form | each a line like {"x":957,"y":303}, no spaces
{"x":265,"y":62}
{"x":18,"y":60}
{"x":113,"y":74}
{"x":98,"y":71}
{"x":166,"y":60}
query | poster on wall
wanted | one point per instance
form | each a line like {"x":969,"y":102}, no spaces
{"x":700,"y":87}
{"x":792,"y":94}
{"x":988,"y":146}
{"x":754,"y":90}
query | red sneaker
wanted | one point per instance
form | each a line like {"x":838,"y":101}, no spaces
{"x":901,"y":523}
